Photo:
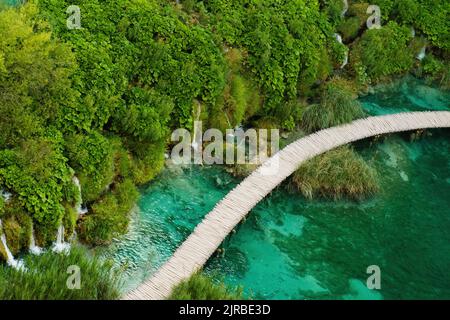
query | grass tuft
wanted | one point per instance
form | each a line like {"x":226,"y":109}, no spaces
{"x":336,"y":174}
{"x":338,"y":105}
{"x":202,"y":287}
{"x":47,"y":275}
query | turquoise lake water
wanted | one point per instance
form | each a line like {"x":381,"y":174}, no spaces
{"x":292,"y":248}
{"x":11,"y":2}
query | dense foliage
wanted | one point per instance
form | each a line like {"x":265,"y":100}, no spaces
{"x":100,"y":102}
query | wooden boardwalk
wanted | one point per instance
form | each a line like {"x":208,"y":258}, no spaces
{"x":211,"y":232}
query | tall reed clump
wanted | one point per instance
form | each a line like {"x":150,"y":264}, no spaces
{"x":338,"y":105}
{"x":336,"y":174}
{"x":202,"y":287}
{"x":47,"y":276}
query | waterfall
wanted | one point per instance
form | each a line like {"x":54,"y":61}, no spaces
{"x":16,"y":264}
{"x":339,"y":39}
{"x":34,"y":249}
{"x":413,"y":32}
{"x":79,"y":205}
{"x":196,"y":128}
{"x":423,"y":53}
{"x":60,"y":245}
{"x":5,"y":195}
{"x":345,"y":9}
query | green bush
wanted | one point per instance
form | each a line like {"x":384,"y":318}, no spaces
{"x":429,"y":17}
{"x":383,"y":52}
{"x":36,"y":173}
{"x":92,"y":158}
{"x":437,"y":70}
{"x":284,"y":41}
{"x":2,"y":207}
{"x":202,"y":287}
{"x":147,"y":161}
{"x":338,"y":105}
{"x":47,"y":275}
{"x":333,"y":9}
{"x":336,"y":174}
{"x":109,"y":216}
{"x":35,"y":71}
{"x":146,"y":116}
{"x":349,"y":28}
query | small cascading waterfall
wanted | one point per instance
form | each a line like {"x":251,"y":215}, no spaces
{"x":197,"y":130}
{"x":60,"y":245}
{"x":79,"y":205}
{"x":422,"y":53}
{"x":5,"y":195}
{"x":345,"y":8}
{"x":34,"y":249}
{"x":16,"y":264}
{"x":338,"y":37}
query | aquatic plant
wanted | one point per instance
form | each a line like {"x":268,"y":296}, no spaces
{"x":203,"y":287}
{"x":338,"y":105}
{"x":336,"y":174}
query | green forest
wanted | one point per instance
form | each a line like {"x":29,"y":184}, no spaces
{"x":100,"y":102}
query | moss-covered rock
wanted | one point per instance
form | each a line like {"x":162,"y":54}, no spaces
{"x":17,"y":230}
{"x":69,"y":221}
{"x":350,"y":28}
{"x":109,"y":216}
{"x":3,"y":256}
{"x":358,"y":9}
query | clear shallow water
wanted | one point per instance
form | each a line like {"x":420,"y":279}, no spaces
{"x":11,"y":2}
{"x":409,"y":94}
{"x":291,"y":248}
{"x":167,"y":212}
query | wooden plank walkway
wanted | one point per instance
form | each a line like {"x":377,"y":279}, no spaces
{"x":211,"y":232}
